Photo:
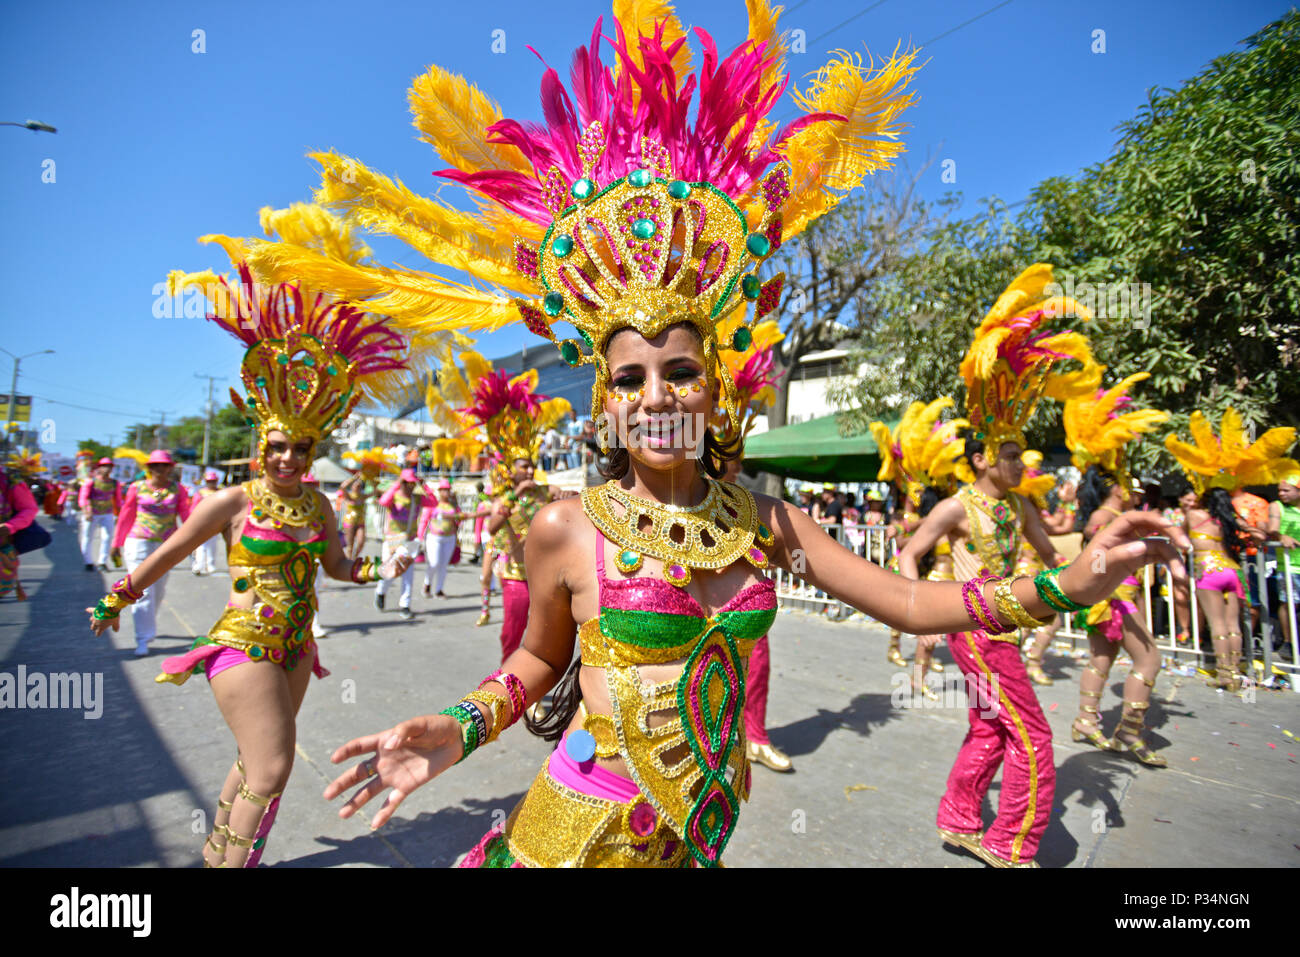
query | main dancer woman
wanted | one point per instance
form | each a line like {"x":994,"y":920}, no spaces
{"x":305,"y":369}
{"x":1098,"y":430}
{"x":629,"y":227}
{"x":1215,"y":466}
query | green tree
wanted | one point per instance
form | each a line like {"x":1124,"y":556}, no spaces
{"x":1195,"y":212}
{"x":98,"y":449}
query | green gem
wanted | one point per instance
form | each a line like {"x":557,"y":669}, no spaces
{"x":678,"y":189}
{"x":763,"y":530}
{"x":586,"y":338}
{"x":304,"y":384}
{"x":741,"y":340}
{"x":750,"y":286}
{"x":562,"y":245}
{"x":331,"y":369}
{"x":261,"y":381}
{"x":282,"y":359}
{"x":247,"y":420}
{"x":309,"y":361}
{"x":553,"y":304}
{"x":639,"y":177}
{"x":988,"y":418}
{"x":582,"y":188}
{"x":644,"y":229}
{"x":242,"y":584}
{"x":569,"y":352}
{"x":757,"y":244}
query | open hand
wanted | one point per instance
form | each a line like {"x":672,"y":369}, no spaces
{"x":405,"y":757}
{"x":1117,"y":551}
{"x":101,"y":625}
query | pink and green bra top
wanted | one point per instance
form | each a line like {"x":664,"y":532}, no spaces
{"x":274,"y":541}
{"x":651,"y":614}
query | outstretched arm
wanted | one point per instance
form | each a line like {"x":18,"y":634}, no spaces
{"x":208,"y":518}
{"x":926,"y":608}
{"x":418,"y":750}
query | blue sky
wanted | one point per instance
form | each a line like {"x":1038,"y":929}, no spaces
{"x":158,"y":144}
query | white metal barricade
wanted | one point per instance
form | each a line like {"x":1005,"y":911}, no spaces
{"x":871,"y":542}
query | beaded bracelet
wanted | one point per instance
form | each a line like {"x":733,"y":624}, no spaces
{"x":978,"y":609}
{"x":127,"y":591}
{"x":502,"y":713}
{"x":365,"y":570}
{"x":1048,"y":586}
{"x":514,"y":687}
{"x":469,"y":737}
{"x":108,"y":607}
{"x":1010,"y":607}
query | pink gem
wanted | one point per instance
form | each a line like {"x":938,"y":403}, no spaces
{"x":676,"y":571}
{"x":756,"y":553}
{"x":643,"y":820}
{"x":268,"y":611}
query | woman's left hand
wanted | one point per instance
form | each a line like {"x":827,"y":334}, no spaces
{"x":1132,"y":540}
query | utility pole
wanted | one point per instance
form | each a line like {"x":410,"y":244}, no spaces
{"x":161,"y":431}
{"x":207,"y":423}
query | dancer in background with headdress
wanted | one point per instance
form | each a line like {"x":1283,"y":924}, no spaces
{"x":1098,"y":430}
{"x":309,"y":362}
{"x":357,"y":491}
{"x":921,"y":456}
{"x":515,"y":418}
{"x":1215,"y":465}
{"x":1007,"y":370}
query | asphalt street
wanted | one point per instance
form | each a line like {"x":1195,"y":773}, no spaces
{"x":136,"y":785}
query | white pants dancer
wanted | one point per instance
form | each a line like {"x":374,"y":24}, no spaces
{"x":317,"y":629}
{"x":407,"y":577}
{"x":89,"y":523}
{"x":144,"y":613}
{"x":437,"y":557}
{"x":72,"y":516}
{"x":205,"y":557}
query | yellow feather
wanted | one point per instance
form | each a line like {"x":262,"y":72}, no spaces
{"x":833,"y":157}
{"x":453,"y":115}
{"x":1232,"y":436}
{"x":639,"y":19}
{"x":441,"y":233}
{"x":1203,"y":434}
{"x":307,"y":224}
{"x":885,"y":445}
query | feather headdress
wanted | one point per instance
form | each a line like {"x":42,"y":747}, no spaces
{"x":309,"y":359}
{"x":1230,"y":460}
{"x":753,"y":370}
{"x":1009,"y":365}
{"x":922,"y":450}
{"x":25,"y":463}
{"x":1100,"y":426}
{"x":617,"y":210}
{"x":513,"y":414}
{"x":372,"y":463}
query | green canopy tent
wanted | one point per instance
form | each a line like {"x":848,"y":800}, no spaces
{"x":815,"y":451}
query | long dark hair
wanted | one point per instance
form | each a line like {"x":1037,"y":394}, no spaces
{"x":565,"y":699}
{"x":1218,"y":503}
{"x":1094,"y":489}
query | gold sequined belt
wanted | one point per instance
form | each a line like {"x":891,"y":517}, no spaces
{"x":556,"y":826}
{"x":514,"y":571}
{"x":257,"y":634}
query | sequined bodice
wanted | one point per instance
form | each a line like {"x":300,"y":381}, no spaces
{"x":693,"y":767}
{"x":155,"y":511}
{"x":279,"y":570}
{"x":101,"y":496}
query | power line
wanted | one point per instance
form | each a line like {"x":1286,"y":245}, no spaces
{"x":138,"y":416}
{"x":978,"y":16}
{"x":863,"y":11}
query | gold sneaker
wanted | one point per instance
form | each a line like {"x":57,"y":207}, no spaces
{"x":966,"y":841}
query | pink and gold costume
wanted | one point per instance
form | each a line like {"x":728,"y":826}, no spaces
{"x":17,"y":511}
{"x":148,"y":518}
{"x":99,"y":501}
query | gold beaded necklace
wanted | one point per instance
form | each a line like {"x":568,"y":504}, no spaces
{"x":269,"y":506}
{"x":721,"y":529}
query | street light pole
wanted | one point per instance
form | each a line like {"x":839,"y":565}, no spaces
{"x":13,"y":388}
{"x":32,"y":125}
{"x":207,"y":423}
